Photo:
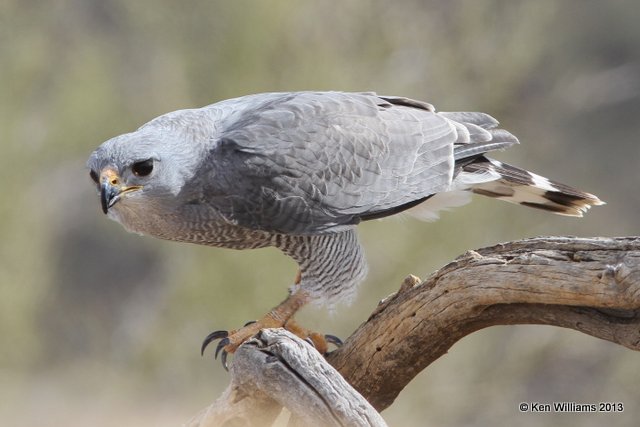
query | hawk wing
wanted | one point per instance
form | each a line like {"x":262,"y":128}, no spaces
{"x":305,"y":163}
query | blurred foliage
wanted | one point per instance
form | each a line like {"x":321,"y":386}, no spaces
{"x":103,"y":327}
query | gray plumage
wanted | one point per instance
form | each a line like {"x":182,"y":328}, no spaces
{"x":298,"y":171}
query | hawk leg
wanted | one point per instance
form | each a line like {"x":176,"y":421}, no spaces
{"x":279,"y":316}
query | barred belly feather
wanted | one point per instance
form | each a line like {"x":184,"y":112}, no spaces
{"x":331,"y":264}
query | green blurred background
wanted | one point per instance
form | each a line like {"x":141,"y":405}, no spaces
{"x":103,"y":328}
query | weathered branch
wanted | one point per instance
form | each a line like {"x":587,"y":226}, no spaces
{"x":591,"y":285}
{"x":276,"y":369}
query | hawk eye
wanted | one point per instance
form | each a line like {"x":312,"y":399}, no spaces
{"x":142,"y":168}
{"x":94,"y":176}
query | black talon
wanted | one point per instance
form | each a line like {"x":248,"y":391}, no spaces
{"x":333,"y":340}
{"x":310,"y":341}
{"x":250,"y":322}
{"x":222,"y":344}
{"x":223,"y":359}
{"x":212,"y":337}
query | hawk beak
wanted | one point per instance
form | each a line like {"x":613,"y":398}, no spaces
{"x":111,"y":189}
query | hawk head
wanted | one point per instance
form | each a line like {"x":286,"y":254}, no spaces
{"x":144,"y":173}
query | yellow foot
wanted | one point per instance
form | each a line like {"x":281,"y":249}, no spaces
{"x":230,"y":341}
{"x":319,"y":341}
{"x":281,"y":316}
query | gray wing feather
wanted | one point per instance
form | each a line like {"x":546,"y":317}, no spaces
{"x":313,"y":162}
{"x":483,"y":120}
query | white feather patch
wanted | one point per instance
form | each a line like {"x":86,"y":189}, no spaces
{"x":465,"y":180}
{"x":430,"y":209}
{"x":458,"y":195}
{"x":542,"y":182}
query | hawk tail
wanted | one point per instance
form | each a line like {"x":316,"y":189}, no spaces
{"x":525,"y":188}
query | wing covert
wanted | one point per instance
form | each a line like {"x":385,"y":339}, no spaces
{"x":313,"y":162}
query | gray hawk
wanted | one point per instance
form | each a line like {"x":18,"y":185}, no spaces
{"x":298,"y":171}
